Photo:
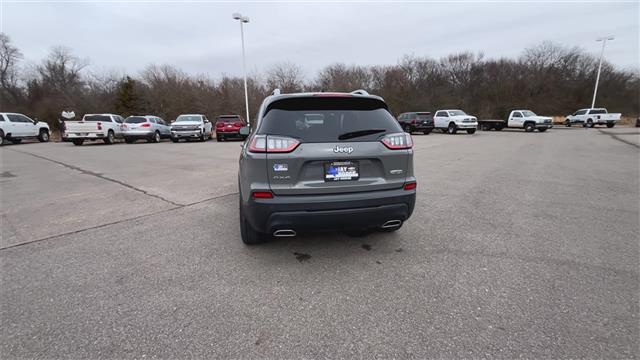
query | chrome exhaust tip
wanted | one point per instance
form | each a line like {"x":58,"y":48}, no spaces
{"x":284,"y":233}
{"x":391,"y":224}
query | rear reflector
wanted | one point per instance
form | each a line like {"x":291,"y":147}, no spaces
{"x":410,"y":186}
{"x":273,"y":144}
{"x":262,"y":195}
{"x":397,"y":141}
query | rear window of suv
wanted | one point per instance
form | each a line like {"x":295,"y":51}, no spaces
{"x":135,"y":120}
{"x":231,"y":119}
{"x":320,"y":119}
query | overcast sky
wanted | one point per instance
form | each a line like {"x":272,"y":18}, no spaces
{"x":201,"y":37}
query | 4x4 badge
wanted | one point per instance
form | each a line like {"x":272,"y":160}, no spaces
{"x":343,"y":149}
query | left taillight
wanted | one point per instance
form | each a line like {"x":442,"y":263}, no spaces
{"x":411,"y":185}
{"x":273,"y":144}
{"x":397,"y":141}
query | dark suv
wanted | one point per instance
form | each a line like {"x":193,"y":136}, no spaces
{"x":228,"y":126}
{"x":416,"y":121}
{"x":324,"y":161}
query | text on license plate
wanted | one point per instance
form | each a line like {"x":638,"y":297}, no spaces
{"x":341,"y":171}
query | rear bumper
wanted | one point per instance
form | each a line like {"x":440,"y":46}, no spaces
{"x":235,"y":134}
{"x":84,"y":136}
{"x":421,"y":127}
{"x":138,"y":134}
{"x":329,"y":212}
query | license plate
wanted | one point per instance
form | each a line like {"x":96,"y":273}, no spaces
{"x":341,"y":171}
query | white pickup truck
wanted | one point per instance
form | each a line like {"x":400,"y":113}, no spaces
{"x":519,"y":119}
{"x":453,"y":120}
{"x":591,"y":117}
{"x":105,"y":127}
{"x":15,"y":127}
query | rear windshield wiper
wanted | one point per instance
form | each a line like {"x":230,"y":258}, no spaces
{"x":355,"y":134}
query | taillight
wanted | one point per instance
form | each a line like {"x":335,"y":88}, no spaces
{"x":219,"y":124}
{"x":397,"y":141}
{"x":413,"y":121}
{"x":99,"y":124}
{"x":262,"y":195}
{"x":273,"y":144}
{"x":145,"y":125}
{"x":410,"y":185}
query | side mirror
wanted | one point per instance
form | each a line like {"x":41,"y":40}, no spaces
{"x":207,"y":121}
{"x":245,"y":131}
{"x":35,"y":121}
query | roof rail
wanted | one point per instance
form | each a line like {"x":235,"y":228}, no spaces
{"x":359,"y":92}
{"x":276,"y":92}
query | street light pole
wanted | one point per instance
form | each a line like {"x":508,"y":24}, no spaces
{"x":243,"y":20}
{"x":595,"y":90}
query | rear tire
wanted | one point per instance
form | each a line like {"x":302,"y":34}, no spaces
{"x":407,"y":129}
{"x":156,"y":137}
{"x":110,"y":138}
{"x":16,"y":141}
{"x":43,"y":136}
{"x":78,"y":142}
{"x":471,"y":131}
{"x":247,"y":233}
{"x":452,"y":130}
{"x":610,"y":125}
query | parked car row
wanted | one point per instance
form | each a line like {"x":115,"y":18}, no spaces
{"x":108,"y":127}
{"x":452,"y":121}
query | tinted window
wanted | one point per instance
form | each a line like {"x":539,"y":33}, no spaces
{"x":135,"y":120}
{"x":598,"y":111}
{"x":580,"y":112}
{"x":424,"y":116}
{"x":325,"y":119}
{"x":17,"y":118}
{"x":442,"y":113}
{"x":517,"y":114}
{"x":102,"y":118}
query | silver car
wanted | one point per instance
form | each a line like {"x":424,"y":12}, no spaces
{"x":324,"y":161}
{"x":149,"y":127}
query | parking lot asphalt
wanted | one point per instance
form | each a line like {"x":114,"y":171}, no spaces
{"x":521,"y":245}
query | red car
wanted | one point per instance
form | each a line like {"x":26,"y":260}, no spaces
{"x":228,"y":126}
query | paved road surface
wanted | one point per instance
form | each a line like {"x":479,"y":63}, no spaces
{"x":520,"y":245}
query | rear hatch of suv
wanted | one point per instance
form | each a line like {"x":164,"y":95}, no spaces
{"x":322,"y":144}
{"x":228,"y":123}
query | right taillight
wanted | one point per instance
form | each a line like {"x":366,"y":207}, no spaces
{"x":410,"y":185}
{"x":397,"y":141}
{"x":273,"y":144}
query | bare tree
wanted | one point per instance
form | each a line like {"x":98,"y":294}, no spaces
{"x":9,"y":57}
{"x":286,"y":76}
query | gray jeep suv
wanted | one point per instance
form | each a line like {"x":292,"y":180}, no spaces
{"x":324,"y":161}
